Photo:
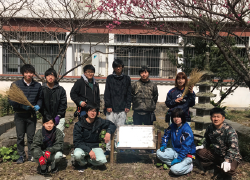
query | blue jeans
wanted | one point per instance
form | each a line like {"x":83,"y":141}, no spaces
{"x":184,"y":167}
{"x":83,"y":157}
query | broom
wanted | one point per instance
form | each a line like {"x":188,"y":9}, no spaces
{"x":195,"y":77}
{"x":17,"y":95}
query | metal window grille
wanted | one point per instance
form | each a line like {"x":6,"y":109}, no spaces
{"x":153,"y":39}
{"x":241,"y":40}
{"x":12,"y":63}
{"x":84,"y":37}
{"x":154,"y":57}
{"x":36,"y":36}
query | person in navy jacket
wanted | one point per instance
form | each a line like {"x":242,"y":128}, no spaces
{"x":180,"y":156}
{"x":174,"y":99}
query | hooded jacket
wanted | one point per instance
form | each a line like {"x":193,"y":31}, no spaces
{"x":32,"y":92}
{"x":37,"y":147}
{"x":54,"y":100}
{"x":87,"y":139}
{"x":81,"y":91}
{"x":188,"y":101}
{"x":144,"y":95}
{"x":182,"y":139}
{"x":117,"y":94}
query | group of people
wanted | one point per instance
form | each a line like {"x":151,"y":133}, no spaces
{"x":46,"y":146}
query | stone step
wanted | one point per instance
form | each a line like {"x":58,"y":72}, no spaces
{"x":6,"y":123}
{"x":9,"y":138}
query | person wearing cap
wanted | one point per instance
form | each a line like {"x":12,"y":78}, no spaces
{"x":54,"y":99}
{"x":144,"y":98}
{"x":25,"y":116}
{"x":180,"y":156}
{"x":47,"y":145}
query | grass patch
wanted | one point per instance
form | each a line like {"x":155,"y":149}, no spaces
{"x":241,"y":117}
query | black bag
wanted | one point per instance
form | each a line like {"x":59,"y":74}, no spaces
{"x":167,"y":118}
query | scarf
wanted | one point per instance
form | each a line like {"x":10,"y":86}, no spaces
{"x":49,"y":137}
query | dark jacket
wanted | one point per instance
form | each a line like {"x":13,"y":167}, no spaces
{"x":37,"y":147}
{"x":182,"y":139}
{"x":81,"y":91}
{"x":117,"y":93}
{"x":32,"y":92}
{"x":87,"y":139}
{"x":54,"y":100}
{"x":144,"y":95}
{"x":188,"y":101}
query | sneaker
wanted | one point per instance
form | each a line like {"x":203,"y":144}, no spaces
{"x":107,"y":153}
{"x":20,"y":160}
{"x":43,"y":169}
{"x":31,"y":159}
{"x":54,"y":170}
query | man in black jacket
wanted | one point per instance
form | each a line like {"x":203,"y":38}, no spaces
{"x":145,"y":96}
{"x":85,"y":90}
{"x":25,"y":116}
{"x":117,"y":96}
{"x":54,"y":99}
{"x":86,"y":137}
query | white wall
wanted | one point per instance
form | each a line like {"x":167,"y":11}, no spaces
{"x":240,"y":98}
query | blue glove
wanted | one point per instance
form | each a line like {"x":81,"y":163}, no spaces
{"x":175,"y":161}
{"x":162,"y":148}
{"x":26,"y":107}
{"x":36,"y":107}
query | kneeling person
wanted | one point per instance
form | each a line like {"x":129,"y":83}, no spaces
{"x":220,"y":147}
{"x":47,"y":145}
{"x":86,"y":137}
{"x":180,"y":156}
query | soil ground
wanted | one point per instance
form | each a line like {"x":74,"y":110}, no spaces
{"x":128,"y":165}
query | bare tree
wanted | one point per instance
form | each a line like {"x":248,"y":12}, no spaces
{"x":46,"y":22}
{"x":223,"y":22}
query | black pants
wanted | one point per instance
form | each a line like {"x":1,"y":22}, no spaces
{"x":25,"y":123}
{"x":142,"y":119}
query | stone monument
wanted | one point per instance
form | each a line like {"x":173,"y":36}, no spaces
{"x":202,"y":118}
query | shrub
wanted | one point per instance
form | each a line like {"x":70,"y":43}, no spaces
{"x":5,"y":107}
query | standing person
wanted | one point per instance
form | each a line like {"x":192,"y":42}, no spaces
{"x":174,"y":99}
{"x":117,"y":96}
{"x":220,"y":147}
{"x":180,"y":156}
{"x":145,"y":96}
{"x":54,"y":99}
{"x":25,"y":116}
{"x":86,"y":137}
{"x":85,"y":90}
{"x":47,"y":146}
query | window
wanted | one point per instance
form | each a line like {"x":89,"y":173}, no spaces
{"x":36,"y":36}
{"x":154,"y":57}
{"x":34,"y":52}
{"x":104,"y":38}
{"x":150,"y":39}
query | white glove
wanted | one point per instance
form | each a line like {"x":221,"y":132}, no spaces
{"x":199,"y":147}
{"x":226,"y":166}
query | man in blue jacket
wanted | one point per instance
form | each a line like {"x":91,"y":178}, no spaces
{"x":25,"y":116}
{"x":180,"y":156}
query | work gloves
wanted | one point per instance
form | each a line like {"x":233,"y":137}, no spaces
{"x":199,"y":147}
{"x":26,"y":107}
{"x":47,"y":155}
{"x":162,"y":149}
{"x":226,"y":166}
{"x":57,"y":119}
{"x":42,"y":161}
{"x":175,"y":161}
{"x":36,"y":107}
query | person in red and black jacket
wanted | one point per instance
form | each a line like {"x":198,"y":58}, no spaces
{"x":174,"y":99}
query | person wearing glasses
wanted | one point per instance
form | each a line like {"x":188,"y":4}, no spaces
{"x":85,"y":90}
